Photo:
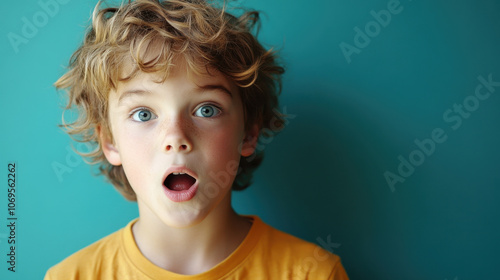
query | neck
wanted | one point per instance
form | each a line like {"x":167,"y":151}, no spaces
{"x":194,"y":249}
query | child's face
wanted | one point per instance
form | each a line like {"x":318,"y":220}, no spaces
{"x":186,"y":124}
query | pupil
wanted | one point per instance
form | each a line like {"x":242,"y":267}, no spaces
{"x":144,"y":116}
{"x":207,"y":111}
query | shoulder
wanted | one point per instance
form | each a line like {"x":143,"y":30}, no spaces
{"x":88,"y":259}
{"x":303,"y":259}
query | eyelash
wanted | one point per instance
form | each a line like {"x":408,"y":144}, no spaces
{"x":210,"y":104}
{"x":131,"y":114}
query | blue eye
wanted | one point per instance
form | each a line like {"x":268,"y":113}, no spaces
{"x":207,"y":111}
{"x":143,"y":115}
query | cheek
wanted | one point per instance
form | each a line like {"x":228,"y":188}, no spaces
{"x":135,"y":147}
{"x":138,"y":140}
{"x":224,"y":141}
{"x":221,"y":152}
{"x":136,"y":155}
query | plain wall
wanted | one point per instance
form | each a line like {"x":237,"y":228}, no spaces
{"x":353,"y":118}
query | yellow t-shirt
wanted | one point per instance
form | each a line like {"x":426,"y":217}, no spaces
{"x":265,"y":253}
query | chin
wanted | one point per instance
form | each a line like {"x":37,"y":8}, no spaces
{"x":184,"y":219}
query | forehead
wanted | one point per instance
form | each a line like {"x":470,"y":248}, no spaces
{"x":178,"y":77}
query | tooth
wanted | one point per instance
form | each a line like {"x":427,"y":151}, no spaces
{"x":175,"y":173}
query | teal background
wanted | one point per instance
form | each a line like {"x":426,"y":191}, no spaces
{"x":323,"y":176}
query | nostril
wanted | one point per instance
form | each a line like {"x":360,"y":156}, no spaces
{"x":182,"y":147}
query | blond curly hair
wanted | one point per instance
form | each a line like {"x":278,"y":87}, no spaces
{"x":204,"y":35}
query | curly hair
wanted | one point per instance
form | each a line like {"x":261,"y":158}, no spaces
{"x":150,"y":34}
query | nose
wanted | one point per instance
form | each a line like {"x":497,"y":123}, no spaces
{"x":176,"y":139}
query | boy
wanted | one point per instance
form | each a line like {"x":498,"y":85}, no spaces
{"x":174,"y":94}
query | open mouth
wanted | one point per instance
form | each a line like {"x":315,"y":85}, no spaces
{"x":179,"y":181}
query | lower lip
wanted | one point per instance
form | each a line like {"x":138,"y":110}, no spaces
{"x":181,"y":196}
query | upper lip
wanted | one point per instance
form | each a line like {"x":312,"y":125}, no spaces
{"x":179,"y":169}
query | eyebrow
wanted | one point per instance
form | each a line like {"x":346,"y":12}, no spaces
{"x":131,"y":92}
{"x":216,"y":88}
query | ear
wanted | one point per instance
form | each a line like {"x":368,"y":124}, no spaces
{"x":250,"y":141}
{"x":110,"y":151}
